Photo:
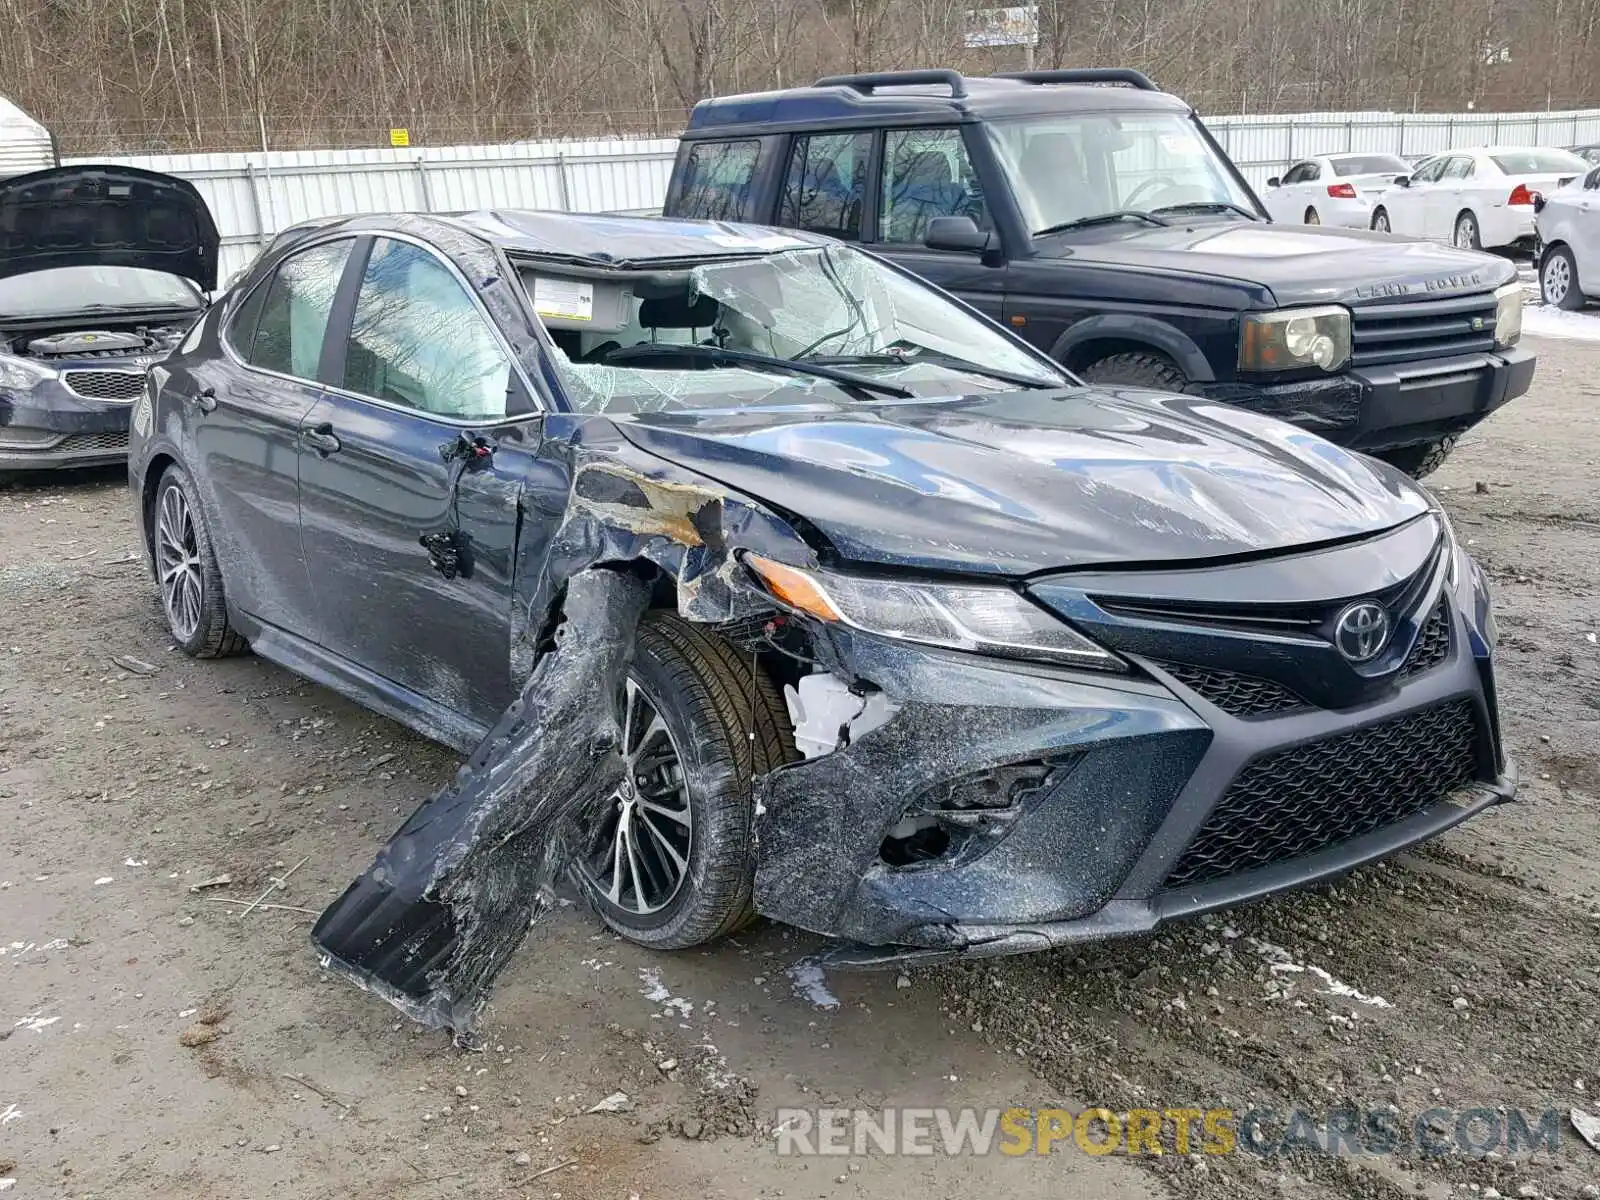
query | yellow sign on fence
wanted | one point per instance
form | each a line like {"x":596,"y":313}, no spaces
{"x":399,"y":137}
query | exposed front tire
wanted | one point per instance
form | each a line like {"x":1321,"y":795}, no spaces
{"x":187,"y":577}
{"x":1424,"y":458}
{"x":1466,"y":235}
{"x":1380,"y":221}
{"x":669,"y":860}
{"x":1313,"y":217}
{"x":1558,"y":279}
{"x":1137,"y":370}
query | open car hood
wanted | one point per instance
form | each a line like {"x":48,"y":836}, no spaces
{"x":1022,"y":482}
{"x":106,"y":215}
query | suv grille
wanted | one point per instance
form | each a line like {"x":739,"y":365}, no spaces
{"x":1295,"y":802}
{"x":1391,"y":333}
{"x":1433,"y":644}
{"x":1235,"y":694}
{"x":105,"y":385}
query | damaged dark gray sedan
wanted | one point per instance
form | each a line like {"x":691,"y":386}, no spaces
{"x":766,"y":579}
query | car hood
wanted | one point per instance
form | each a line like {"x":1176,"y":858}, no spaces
{"x":106,"y":215}
{"x":1021,"y":482}
{"x":1299,"y":265}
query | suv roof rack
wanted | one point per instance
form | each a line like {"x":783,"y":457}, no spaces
{"x":866,"y":84}
{"x":1125,"y":76}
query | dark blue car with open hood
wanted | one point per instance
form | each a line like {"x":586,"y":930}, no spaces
{"x":761,"y":577}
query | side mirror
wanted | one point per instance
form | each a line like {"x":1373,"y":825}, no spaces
{"x":1274,"y":182}
{"x":956,"y":233}
{"x":1402,"y":180}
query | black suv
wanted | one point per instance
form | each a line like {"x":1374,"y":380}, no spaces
{"x":1096,"y":216}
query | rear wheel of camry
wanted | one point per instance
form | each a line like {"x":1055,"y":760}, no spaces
{"x":1422,"y":459}
{"x":1312,"y":217}
{"x":187,"y":576}
{"x":1380,"y":220}
{"x":1137,"y":370}
{"x":1558,"y":279}
{"x":669,"y":859}
{"x":1466,"y":234}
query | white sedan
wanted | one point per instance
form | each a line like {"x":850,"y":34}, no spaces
{"x":1569,"y":231}
{"x":1336,"y":189}
{"x":1476,"y":199}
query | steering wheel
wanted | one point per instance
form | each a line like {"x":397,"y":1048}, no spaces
{"x":1134,"y":195}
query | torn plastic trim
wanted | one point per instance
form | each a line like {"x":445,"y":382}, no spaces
{"x":437,"y":916}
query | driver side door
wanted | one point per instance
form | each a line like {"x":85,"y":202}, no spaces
{"x":1408,"y":206}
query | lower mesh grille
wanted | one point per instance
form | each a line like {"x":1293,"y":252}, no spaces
{"x":1235,"y":694}
{"x":105,"y":385}
{"x":1433,"y":644}
{"x":86,"y":443}
{"x":1299,"y":801}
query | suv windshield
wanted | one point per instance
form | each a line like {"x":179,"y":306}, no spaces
{"x":825,"y":320}
{"x":61,"y":291}
{"x":1066,"y":168}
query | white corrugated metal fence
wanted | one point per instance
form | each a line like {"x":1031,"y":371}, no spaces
{"x":255,"y":195}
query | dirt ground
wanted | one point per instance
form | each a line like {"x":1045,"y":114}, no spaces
{"x":161,"y":1041}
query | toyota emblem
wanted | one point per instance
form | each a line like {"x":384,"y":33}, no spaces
{"x":1361,"y":631}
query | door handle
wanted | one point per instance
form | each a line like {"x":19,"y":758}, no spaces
{"x":322,"y":439}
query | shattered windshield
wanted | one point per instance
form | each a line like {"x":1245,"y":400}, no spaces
{"x":826,"y":321}
{"x":1070,"y":168}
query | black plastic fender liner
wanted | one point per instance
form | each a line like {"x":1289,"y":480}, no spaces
{"x":446,"y":903}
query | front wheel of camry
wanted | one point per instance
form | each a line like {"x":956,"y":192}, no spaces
{"x":187,"y":576}
{"x":669,"y":858}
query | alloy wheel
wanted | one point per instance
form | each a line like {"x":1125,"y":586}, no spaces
{"x":1557,"y":279}
{"x":638,"y":856}
{"x":1313,"y":217}
{"x":178,"y":564}
{"x":1381,"y":222}
{"x":1466,"y":233}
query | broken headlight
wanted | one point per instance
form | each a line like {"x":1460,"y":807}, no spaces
{"x":1507,"y":315}
{"x":987,"y":620}
{"x":20,"y":375}
{"x":1295,"y":338}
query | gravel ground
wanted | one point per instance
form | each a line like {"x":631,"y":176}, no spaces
{"x":161,"y":1041}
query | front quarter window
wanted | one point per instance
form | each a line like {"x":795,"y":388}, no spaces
{"x":1071,"y":167}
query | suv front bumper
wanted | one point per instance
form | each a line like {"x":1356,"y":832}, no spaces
{"x":1381,"y":408}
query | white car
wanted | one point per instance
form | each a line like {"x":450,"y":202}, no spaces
{"x":1476,"y":199}
{"x":1569,"y":231}
{"x":1336,"y":189}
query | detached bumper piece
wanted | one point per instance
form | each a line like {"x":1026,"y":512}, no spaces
{"x":450,"y":898}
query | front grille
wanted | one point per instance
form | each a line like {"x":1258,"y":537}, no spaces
{"x":104,"y":385}
{"x":1391,"y":333}
{"x":1235,"y":694}
{"x":88,"y":443}
{"x":1433,"y":644}
{"x":1295,"y":802}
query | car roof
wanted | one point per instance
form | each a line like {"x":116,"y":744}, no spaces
{"x":927,"y":97}
{"x":603,"y":239}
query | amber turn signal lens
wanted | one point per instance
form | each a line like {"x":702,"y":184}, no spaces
{"x":795,"y":588}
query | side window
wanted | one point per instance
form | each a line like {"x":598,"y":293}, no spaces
{"x":716,"y":180}
{"x":1458,"y":168}
{"x":1430,"y":171}
{"x":826,"y":184}
{"x":1593,"y":181}
{"x":1297,"y":173}
{"x":241,"y":329}
{"x":1310,"y":173}
{"x":294,"y":311}
{"x":926,"y":174}
{"x":418,"y":339}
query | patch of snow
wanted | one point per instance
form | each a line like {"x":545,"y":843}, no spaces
{"x":103,"y":880}
{"x":1543,"y":320}
{"x":1281,"y":962}
{"x":811,"y":984}
{"x":11,"y":1113}
{"x":35,"y":1022}
{"x":135,"y":862}
{"x":657,"y":993}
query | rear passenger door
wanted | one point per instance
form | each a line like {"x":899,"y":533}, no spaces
{"x":926,"y":173}
{"x":825,"y":184}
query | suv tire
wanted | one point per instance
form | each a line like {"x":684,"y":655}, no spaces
{"x":1137,"y":370}
{"x":707,"y":696}
{"x":188,"y":581}
{"x":1424,"y":458}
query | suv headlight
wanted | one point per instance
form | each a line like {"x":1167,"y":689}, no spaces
{"x":1507,"y":315}
{"x":21,"y":374}
{"x":988,"y":620}
{"x":1295,"y":338}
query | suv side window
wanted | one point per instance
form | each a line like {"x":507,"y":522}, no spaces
{"x":294,"y":310}
{"x":717,"y":179}
{"x":826,"y":184}
{"x":926,"y":174}
{"x":418,"y":340}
